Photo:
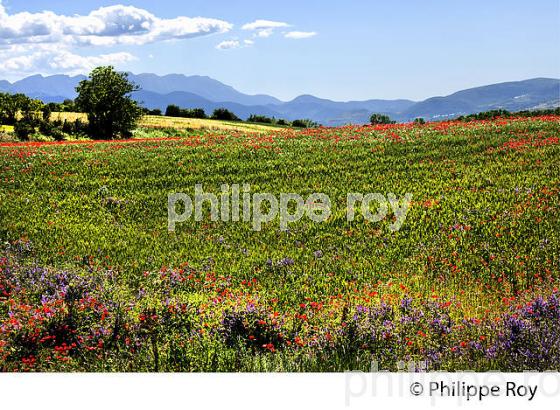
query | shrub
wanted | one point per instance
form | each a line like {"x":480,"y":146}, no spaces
{"x":377,"y":119}
{"x":68,"y":106}
{"x":173,"y":110}
{"x":67,"y":127}
{"x":23,"y":129}
{"x":305,"y":123}
{"x":45,"y":127}
{"x":195,"y":113}
{"x":47,"y":111}
{"x":224,"y":114}
{"x":80,"y":127}
{"x":57,"y":134}
{"x":261,"y":119}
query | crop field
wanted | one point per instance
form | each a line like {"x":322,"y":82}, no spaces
{"x":197,"y":123}
{"x":93,"y":280}
{"x":156,"y":121}
{"x":6,"y":128}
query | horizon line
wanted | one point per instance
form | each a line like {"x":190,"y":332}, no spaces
{"x":46,"y":76}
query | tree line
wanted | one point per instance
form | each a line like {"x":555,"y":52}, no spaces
{"x":226,"y":115}
{"x":379,"y":119}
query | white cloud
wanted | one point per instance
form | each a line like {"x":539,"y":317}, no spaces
{"x":225,"y":45}
{"x":48,"y":59}
{"x":297,"y":35}
{"x":265,"y":33}
{"x":248,"y":42}
{"x":105,"y":26}
{"x":264,"y":28}
{"x":67,"y":61}
{"x":264,"y":25}
{"x":46,"y":42}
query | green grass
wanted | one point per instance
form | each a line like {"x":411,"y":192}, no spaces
{"x":484,"y":225}
{"x":57,"y":198}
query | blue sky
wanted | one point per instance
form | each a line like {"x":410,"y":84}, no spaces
{"x":340,"y":50}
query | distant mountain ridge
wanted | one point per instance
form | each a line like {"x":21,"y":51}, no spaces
{"x":205,"y":92}
{"x":184,"y":99}
{"x":511,"y":96}
{"x":205,"y":87}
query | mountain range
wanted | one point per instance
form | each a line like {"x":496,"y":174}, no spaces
{"x":209,"y":94}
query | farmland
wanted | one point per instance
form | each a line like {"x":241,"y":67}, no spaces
{"x":92,"y":280}
{"x":156,"y":121}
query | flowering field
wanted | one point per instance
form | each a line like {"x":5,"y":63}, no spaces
{"x":91,"y":279}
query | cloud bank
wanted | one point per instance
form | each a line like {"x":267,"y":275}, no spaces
{"x":106,"y":26}
{"x":45,"y":42}
{"x":53,"y":60}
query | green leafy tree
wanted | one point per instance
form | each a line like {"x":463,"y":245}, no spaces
{"x":68,"y":105}
{"x":23,"y":129}
{"x":47,"y":111}
{"x":261,"y":119}
{"x":377,"y":119}
{"x":224,"y":114}
{"x":105,"y":97}
{"x":10,"y":106}
{"x":173,"y":110}
{"x":196,"y":113}
{"x":31,"y":110}
{"x":304,"y":123}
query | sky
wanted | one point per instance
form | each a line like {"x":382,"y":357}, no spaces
{"x":341,"y":50}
